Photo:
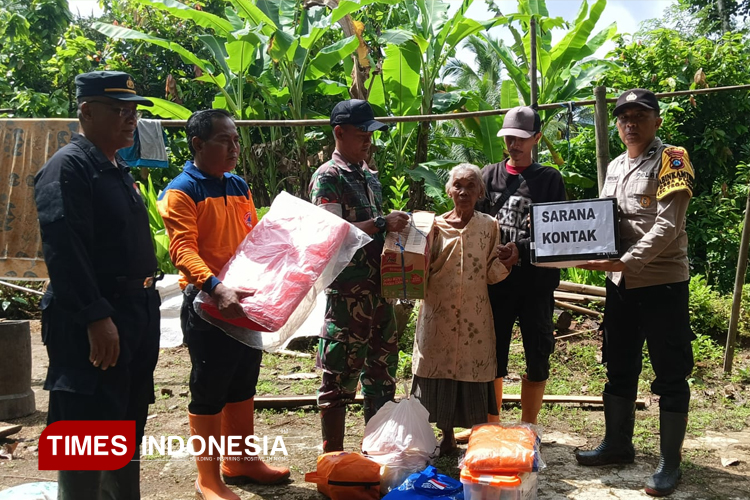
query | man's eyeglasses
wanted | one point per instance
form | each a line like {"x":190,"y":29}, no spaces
{"x":122,"y":112}
{"x":634,"y":118}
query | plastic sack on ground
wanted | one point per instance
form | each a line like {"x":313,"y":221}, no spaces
{"x":346,"y":476}
{"x":292,"y":255}
{"x":31,"y":491}
{"x":400,"y":438}
{"x":426,"y":485}
{"x":503,"y":448}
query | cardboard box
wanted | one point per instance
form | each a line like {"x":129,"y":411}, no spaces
{"x":568,"y":233}
{"x":405,"y":261}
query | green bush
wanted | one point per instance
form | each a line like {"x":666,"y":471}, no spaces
{"x":16,"y":304}
{"x":709,"y":310}
{"x":406,"y":345}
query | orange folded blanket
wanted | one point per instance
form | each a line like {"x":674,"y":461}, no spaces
{"x":500,"y":448}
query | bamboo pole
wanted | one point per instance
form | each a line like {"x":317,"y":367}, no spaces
{"x":441,"y":117}
{"x":739,"y":280}
{"x":532,"y":77}
{"x":577,"y":297}
{"x":450,"y":116}
{"x":578,"y":309}
{"x":21,"y":288}
{"x":263,"y":402}
{"x":579,"y":288}
{"x":601,"y":124}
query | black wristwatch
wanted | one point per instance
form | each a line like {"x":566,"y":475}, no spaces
{"x":380,"y":223}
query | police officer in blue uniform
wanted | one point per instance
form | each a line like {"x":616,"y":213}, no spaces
{"x":100,"y":314}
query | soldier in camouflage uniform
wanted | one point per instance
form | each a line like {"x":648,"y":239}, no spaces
{"x":358,"y":339}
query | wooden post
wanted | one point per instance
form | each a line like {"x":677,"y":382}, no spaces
{"x":601,"y":123}
{"x":739,"y":280}
{"x":532,"y":75}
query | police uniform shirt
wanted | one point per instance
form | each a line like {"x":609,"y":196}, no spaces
{"x":94,"y":227}
{"x":653,"y":192}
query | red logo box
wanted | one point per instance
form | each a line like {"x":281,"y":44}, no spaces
{"x":87,"y":445}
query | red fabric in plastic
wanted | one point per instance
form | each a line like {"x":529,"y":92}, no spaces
{"x":280,"y":260}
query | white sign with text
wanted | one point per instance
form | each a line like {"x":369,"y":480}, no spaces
{"x":571,"y":232}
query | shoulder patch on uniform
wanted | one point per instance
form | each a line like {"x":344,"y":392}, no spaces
{"x":676,"y":173}
{"x":49,"y":202}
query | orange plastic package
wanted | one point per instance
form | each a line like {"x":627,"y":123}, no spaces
{"x":500,"y":448}
{"x":346,"y":476}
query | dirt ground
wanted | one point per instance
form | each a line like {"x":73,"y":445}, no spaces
{"x":713,"y":436}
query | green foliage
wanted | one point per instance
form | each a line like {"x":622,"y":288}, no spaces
{"x":707,"y":350}
{"x":399,"y":190}
{"x":16,"y":304}
{"x":712,"y":127}
{"x":159,"y":235}
{"x":406,"y":345}
{"x":262,"y":211}
{"x":716,"y":16}
{"x":29,"y":32}
{"x":435,"y":175}
{"x":263,"y":60}
{"x":583,"y":276}
{"x":404,"y":365}
{"x":406,"y":340}
{"x":566,"y":69}
{"x":709,"y":310}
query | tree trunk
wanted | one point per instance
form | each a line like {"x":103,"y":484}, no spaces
{"x":259,"y":191}
{"x":417,"y":197}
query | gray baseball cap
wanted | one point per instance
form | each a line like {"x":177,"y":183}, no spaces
{"x":522,"y":121}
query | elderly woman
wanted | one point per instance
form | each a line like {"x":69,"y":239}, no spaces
{"x":454,"y":360}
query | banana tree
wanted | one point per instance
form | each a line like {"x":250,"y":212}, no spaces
{"x":264,"y":57}
{"x":415,"y":54}
{"x":565,"y":71}
{"x":236,"y":56}
{"x":294,"y":49}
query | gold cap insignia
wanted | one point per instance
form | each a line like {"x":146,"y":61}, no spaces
{"x":130,"y":83}
{"x":631,"y":97}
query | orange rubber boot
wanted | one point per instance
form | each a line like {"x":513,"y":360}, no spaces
{"x":237,"y":420}
{"x":209,"y":485}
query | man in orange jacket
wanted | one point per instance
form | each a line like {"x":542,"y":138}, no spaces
{"x":208,"y":212}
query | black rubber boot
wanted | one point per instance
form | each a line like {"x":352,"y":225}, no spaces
{"x":332,"y":421}
{"x":372,"y":405}
{"x":617,"y":447}
{"x":672,"y":431}
{"x":125,"y":483}
{"x":79,"y":485}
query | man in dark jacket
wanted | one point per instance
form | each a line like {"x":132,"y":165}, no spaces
{"x":100,"y":314}
{"x":527,"y":294}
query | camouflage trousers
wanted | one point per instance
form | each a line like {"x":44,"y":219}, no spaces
{"x":358,"y":341}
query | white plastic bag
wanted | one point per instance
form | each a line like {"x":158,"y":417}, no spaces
{"x":400,"y":438}
{"x":292,"y":255}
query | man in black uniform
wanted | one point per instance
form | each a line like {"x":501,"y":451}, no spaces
{"x":100,"y":315}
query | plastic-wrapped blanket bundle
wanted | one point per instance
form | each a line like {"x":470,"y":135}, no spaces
{"x":400,"y":438}
{"x":291,"y":256}
{"x":502,"y":448}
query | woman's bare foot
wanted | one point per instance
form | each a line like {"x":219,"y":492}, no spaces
{"x":448,"y":443}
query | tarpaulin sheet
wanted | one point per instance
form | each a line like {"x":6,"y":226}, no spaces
{"x":25,"y":146}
